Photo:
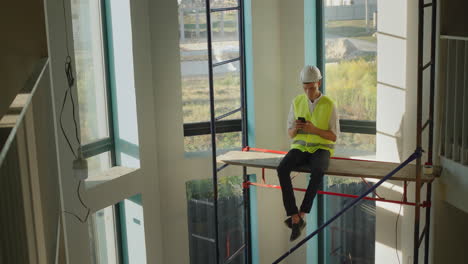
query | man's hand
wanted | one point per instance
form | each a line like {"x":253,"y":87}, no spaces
{"x":299,"y":125}
{"x":309,"y":127}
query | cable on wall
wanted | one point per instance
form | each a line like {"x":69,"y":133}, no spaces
{"x":80,"y":165}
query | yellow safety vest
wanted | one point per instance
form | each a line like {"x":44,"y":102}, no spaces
{"x":320,"y":118}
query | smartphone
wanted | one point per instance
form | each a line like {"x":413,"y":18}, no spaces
{"x":302,"y":119}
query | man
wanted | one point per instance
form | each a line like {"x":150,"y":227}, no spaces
{"x":313,"y":126}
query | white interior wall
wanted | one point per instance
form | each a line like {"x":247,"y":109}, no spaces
{"x":267,"y":72}
{"x":396,"y":122}
{"x":292,"y":59}
{"x":144,"y":180}
{"x":450,"y":209}
{"x":278,"y":51}
{"x":74,"y":233}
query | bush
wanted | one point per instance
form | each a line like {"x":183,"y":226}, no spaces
{"x":353,"y":86}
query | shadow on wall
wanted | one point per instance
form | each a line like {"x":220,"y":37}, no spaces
{"x":398,"y":137}
{"x":454,"y":222}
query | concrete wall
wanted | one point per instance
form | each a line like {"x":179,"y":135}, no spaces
{"x":32,"y":175}
{"x":47,"y":169}
{"x":452,"y":18}
{"x":23,"y":44}
{"x":450,"y":241}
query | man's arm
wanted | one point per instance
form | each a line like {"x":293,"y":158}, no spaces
{"x":326,"y":134}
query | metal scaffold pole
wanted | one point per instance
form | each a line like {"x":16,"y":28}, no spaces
{"x":417,"y":209}
{"x":245,"y":191}
{"x":212,"y":126}
{"x":419,"y":129}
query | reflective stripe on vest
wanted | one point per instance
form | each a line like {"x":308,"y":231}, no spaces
{"x":303,"y":143}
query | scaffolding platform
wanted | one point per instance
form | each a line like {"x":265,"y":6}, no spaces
{"x":338,"y":166}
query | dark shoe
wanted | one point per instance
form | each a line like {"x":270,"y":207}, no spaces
{"x":288,"y":222}
{"x":296,"y":230}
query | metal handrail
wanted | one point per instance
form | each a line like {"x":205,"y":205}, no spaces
{"x":22,"y":114}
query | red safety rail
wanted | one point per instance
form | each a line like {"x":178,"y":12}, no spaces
{"x":424,"y":204}
{"x":379,"y":199}
{"x":284,"y":152}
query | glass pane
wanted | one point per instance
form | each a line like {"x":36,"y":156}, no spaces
{"x":223,"y":3}
{"x":99,"y":163}
{"x":103,"y":236}
{"x":133,"y":232}
{"x":351,"y":238}
{"x":122,"y":80}
{"x":227,"y":89}
{"x":90,"y":70}
{"x":224,"y":141}
{"x":356,"y":146}
{"x":195,"y":91}
{"x":200,"y":207}
{"x":351,"y":57}
{"x":194,"y":61}
{"x":225,"y":35}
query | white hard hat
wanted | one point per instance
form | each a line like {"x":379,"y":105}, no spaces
{"x":310,"y":74}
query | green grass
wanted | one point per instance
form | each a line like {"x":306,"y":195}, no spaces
{"x":195,"y":97}
{"x":368,"y":38}
{"x":196,"y":108}
{"x":353,"y":86}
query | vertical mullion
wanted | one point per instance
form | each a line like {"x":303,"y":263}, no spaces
{"x":444,"y":47}
{"x":320,"y":41}
{"x":107,"y":79}
{"x":212,"y":125}
{"x":110,"y":119}
{"x":432,"y":82}
{"x":110,"y":112}
{"x":458,"y":107}
{"x":321,"y":201}
{"x":448,"y":97}
{"x":464,"y":159}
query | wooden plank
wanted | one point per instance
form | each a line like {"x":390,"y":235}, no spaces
{"x":338,"y":167}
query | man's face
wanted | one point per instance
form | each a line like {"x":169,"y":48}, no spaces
{"x":311,"y":89}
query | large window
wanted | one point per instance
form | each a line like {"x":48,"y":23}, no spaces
{"x":226,"y":67}
{"x":107,"y":106}
{"x":350,"y":57}
{"x":230,"y":221}
{"x":351,"y":238}
{"x":351,"y":71}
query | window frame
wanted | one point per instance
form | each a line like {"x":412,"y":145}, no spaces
{"x":107,"y":144}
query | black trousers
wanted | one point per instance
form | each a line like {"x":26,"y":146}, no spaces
{"x":317,"y":162}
